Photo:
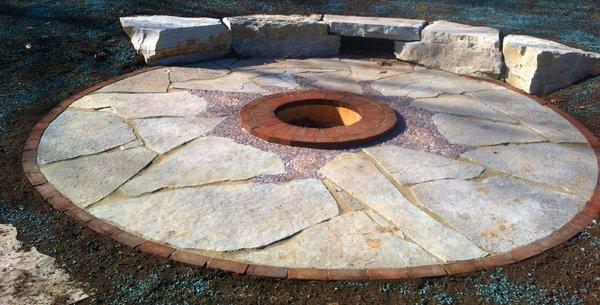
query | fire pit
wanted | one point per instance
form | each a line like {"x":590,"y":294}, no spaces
{"x":317,"y":119}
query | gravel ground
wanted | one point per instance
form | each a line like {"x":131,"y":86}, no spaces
{"x":51,"y":49}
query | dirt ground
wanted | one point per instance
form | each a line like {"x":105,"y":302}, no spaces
{"x":52,"y":49}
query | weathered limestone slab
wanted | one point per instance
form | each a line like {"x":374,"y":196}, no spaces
{"x":375,"y":27}
{"x":540,"y":118}
{"x":234,"y":82}
{"x":461,"y":105}
{"x":455,"y":47}
{"x":164,"y":134}
{"x":571,"y":166}
{"x":281,"y":80}
{"x":499,"y":213}
{"x":86,"y":180}
{"x":275,"y":36}
{"x":409,"y":166}
{"x":169,"y":39}
{"x":202,"y":71}
{"x":77,"y":133}
{"x":202,"y":161}
{"x":338,"y":81}
{"x":359,"y":177}
{"x":540,"y":66}
{"x":132,"y":106}
{"x":350,"y":240}
{"x":30,"y":277}
{"x":363,"y":70}
{"x":154,"y":81}
{"x":224,"y":217}
{"x":479,"y":132}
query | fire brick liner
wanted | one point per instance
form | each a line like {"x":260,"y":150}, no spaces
{"x":164,"y":251}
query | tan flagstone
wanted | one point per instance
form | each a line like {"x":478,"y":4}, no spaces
{"x":154,"y":81}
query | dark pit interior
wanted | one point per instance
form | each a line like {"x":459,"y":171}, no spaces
{"x":317,"y":114}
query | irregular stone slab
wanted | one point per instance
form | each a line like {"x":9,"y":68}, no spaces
{"x":350,"y":240}
{"x":281,"y":80}
{"x":540,"y":118}
{"x":409,"y":166}
{"x":202,"y":161}
{"x":131,"y":106}
{"x":363,"y":70}
{"x":78,"y":133}
{"x":30,"y":277}
{"x":234,"y":82}
{"x":338,"y":81}
{"x":202,"y":71}
{"x":541,"y":66}
{"x":478,"y":132}
{"x":164,"y":134}
{"x":88,"y":179}
{"x":290,"y":36}
{"x":375,"y":27}
{"x":169,"y":39}
{"x":571,"y":166}
{"x":499,"y":213}
{"x":455,"y":47}
{"x":154,"y":81}
{"x":225,"y":217}
{"x":359,"y":177}
{"x":461,"y":105}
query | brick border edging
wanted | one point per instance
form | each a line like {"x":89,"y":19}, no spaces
{"x":64,"y":205}
{"x":259,"y":119}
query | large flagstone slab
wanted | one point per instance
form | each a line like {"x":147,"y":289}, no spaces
{"x":540,"y":118}
{"x":571,"y":166}
{"x":281,"y":80}
{"x":338,"y":81}
{"x":359,"y":177}
{"x":460,"y":105}
{"x":224,"y":217}
{"x":164,"y":134}
{"x":201,"y":71}
{"x":350,"y":240}
{"x":479,"y":132}
{"x":370,"y":70}
{"x":234,"y":82}
{"x":499,"y":213}
{"x":144,"y":105}
{"x":156,"y":81}
{"x":78,"y":133}
{"x":86,"y":180}
{"x":409,"y":166}
{"x":202,"y":161}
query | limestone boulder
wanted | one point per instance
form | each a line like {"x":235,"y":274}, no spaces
{"x":541,"y":66}
{"x":170,"y":40}
{"x":290,"y":36}
{"x":375,"y":27}
{"x":455,"y":47}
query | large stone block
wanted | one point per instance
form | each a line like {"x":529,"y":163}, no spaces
{"x":541,"y":66}
{"x":455,"y":47}
{"x":375,"y":27}
{"x":169,"y":40}
{"x":282,"y":36}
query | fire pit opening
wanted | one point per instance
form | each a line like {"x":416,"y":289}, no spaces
{"x":317,"y":113}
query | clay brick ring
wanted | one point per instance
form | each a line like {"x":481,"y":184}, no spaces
{"x":317,"y":119}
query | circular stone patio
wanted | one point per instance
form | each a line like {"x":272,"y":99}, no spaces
{"x":473,"y":175}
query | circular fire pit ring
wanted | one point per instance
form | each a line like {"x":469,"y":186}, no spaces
{"x":317,"y":119}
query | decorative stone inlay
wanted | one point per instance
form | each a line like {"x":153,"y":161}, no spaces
{"x":171,"y":40}
{"x":375,"y":27}
{"x":164,"y":134}
{"x":571,"y":166}
{"x":144,"y":105}
{"x":461,"y":105}
{"x":277,"y":36}
{"x":77,"y":133}
{"x":359,"y":177}
{"x":540,"y":66}
{"x":479,"y":132}
{"x":153,"y":81}
{"x":234,"y":82}
{"x":224,"y":217}
{"x":499,"y":213}
{"x":455,"y":47}
{"x":203,"y":161}
{"x":527,"y":111}
{"x":409,"y":166}
{"x":86,"y":180}
{"x":350,"y":240}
